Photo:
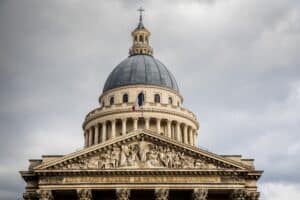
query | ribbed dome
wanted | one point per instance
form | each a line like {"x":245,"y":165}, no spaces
{"x":140,"y":69}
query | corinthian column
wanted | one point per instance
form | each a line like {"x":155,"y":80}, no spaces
{"x":161,"y":194}
{"x":45,"y":195}
{"x":239,"y":194}
{"x":84,"y":194}
{"x":123,"y":194}
{"x":200,"y":194}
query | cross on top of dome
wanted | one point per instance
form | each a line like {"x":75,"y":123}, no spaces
{"x":140,"y":37}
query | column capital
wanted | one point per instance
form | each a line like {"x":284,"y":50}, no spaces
{"x":84,"y":194}
{"x":30,"y":196}
{"x":45,"y":195}
{"x":253,"y":195}
{"x":123,"y":194}
{"x":200,"y":194}
{"x":161,"y":194}
{"x":238,"y":194}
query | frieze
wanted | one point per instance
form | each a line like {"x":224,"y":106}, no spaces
{"x":129,"y":179}
{"x":138,"y":154}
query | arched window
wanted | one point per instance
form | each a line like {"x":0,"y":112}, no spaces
{"x":178,"y":103}
{"x":125,"y":98}
{"x":111,"y":100}
{"x":135,"y":38}
{"x":156,"y":98}
{"x":141,"y":38}
{"x":141,"y":99}
{"x":170,"y":100}
{"x":103,"y":103}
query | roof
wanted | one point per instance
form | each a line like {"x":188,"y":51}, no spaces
{"x":140,"y":69}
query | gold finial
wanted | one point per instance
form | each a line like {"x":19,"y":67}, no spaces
{"x":140,"y":38}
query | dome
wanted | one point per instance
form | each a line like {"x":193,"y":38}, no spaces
{"x":140,"y":69}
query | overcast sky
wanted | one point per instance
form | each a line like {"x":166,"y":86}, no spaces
{"x":236,"y":63}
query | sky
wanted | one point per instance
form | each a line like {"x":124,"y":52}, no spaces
{"x":236,"y":63}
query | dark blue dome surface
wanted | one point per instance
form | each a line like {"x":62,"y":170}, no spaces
{"x":140,"y":69}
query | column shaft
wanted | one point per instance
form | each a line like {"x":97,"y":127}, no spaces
{"x":169,"y":129}
{"x":124,"y":126}
{"x":158,"y":126}
{"x":185,"y":134}
{"x":135,"y":124}
{"x":113,"y":129}
{"x":195,"y":138}
{"x":103,"y":131}
{"x":91,"y":136}
{"x":178,"y":134}
{"x":147,"y":123}
{"x":97,"y":133}
{"x":86,"y":139}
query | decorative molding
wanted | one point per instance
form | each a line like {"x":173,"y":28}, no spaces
{"x":200,"y":194}
{"x":161,"y":194}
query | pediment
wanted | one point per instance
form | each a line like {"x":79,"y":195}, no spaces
{"x":141,"y":150}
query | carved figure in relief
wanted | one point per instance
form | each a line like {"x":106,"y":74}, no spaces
{"x":124,"y":155}
{"x":143,"y":150}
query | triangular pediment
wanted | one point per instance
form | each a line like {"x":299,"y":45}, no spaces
{"x":141,"y":150}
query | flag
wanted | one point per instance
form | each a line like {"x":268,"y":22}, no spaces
{"x":136,"y":105}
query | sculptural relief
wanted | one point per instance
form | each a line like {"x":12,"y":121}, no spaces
{"x":140,"y":154}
